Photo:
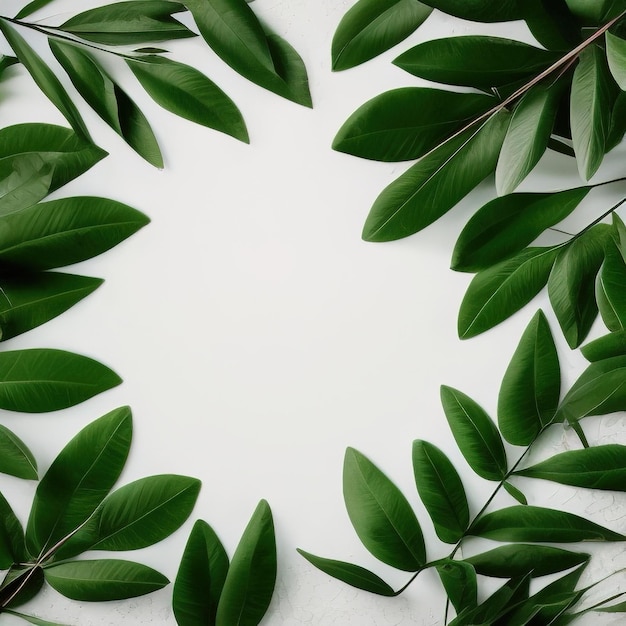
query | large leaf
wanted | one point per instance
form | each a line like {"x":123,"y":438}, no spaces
{"x":200,"y":578}
{"x":41,"y":380}
{"x":108,"y":100}
{"x":12,"y":549}
{"x":251,"y":577}
{"x":103,"y":579}
{"x":184,"y":91}
{"x":25,"y":179}
{"x":78,"y":480}
{"x":613,"y":344}
{"x":475,"y":434}
{"x":371,"y":27}
{"x":437,"y":182}
{"x":529,"y":394}
{"x":441,"y":491}
{"x":480,"y":10}
{"x":532,"y":523}
{"x":381,"y":515}
{"x":405,"y":123}
{"x":15,"y":457}
{"x":616,"y":57}
{"x":610,"y":294}
{"x":459,"y":580}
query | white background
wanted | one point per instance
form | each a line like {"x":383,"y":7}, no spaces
{"x":258,"y":336}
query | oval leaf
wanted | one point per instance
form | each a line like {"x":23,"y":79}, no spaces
{"x":15,"y":457}
{"x":605,"y":347}
{"x":514,"y":492}
{"x":459,"y":580}
{"x":610,"y":289}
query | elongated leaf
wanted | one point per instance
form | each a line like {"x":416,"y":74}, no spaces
{"x":507,"y":225}
{"x":619,"y":234}
{"x":441,"y":491}
{"x":405,"y":123}
{"x":552,"y":23}
{"x":12,"y":548}
{"x":25,"y":179}
{"x":514,"y":492}
{"x":475,"y":434}
{"x":45,"y":79}
{"x":532,"y":523}
{"x":616,"y":57}
{"x":371,"y":27}
{"x":108,"y":100}
{"x":103,"y":579}
{"x":31,"y":619}
{"x":613,"y":344}
{"x":476,"y":61}
{"x":41,"y":380}
{"x":184,"y":91}
{"x":136,"y":22}
{"x":5,"y":62}
{"x":617,"y":127}
{"x":200,"y":578}
{"x":436,"y":183}
{"x":530,"y":390}
{"x":15,"y":457}
{"x":292,"y":82}
{"x":78,"y":480}
{"x":496,"y":293}
{"x":65,"y":231}
{"x":480,"y":10}
{"x":251,"y":577}
{"x":610,"y":289}
{"x":21,"y":584}
{"x":459,"y":581}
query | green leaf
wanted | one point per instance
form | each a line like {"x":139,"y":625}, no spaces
{"x":505,"y":226}
{"x":6,"y":62}
{"x":590,"y":109}
{"x":108,"y":100}
{"x":371,"y":27}
{"x":616,"y":57}
{"x":406,"y":123}
{"x":532,"y":523}
{"x":514,"y":492}
{"x":441,"y":491}
{"x":475,"y":434}
{"x":552,"y":24}
{"x":31,"y":7}
{"x":45,"y":79}
{"x":31,"y":619}
{"x":78,"y":480}
{"x":480,"y":10}
{"x":499,"y":291}
{"x":350,"y":574}
{"x":476,"y":61}
{"x":617,"y":127}
{"x":381,"y":515}
{"x":619,"y":234}
{"x":12,"y":548}
{"x":15,"y":457}
{"x":613,"y":344}
{"x":103,"y":579}
{"x":21,"y":584}
{"x":186,"y":92}
{"x":432,"y":186}
{"x":122,"y":23}
{"x":65,"y":231}
{"x":41,"y":380}
{"x":200,"y":578}
{"x":251,"y":577}
{"x":571,"y":284}
{"x":459,"y":580}
{"x":24,"y":180}
{"x":610,"y":289}
{"x":530,"y":390}
{"x":591,"y":11}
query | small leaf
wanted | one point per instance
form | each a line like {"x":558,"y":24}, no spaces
{"x":619,"y":234}
{"x":610,"y":289}
{"x":31,"y":7}
{"x":103,"y":579}
{"x":475,"y":434}
{"x":613,"y":344}
{"x":459,"y":581}
{"x":617,"y":127}
{"x":31,"y":619}
{"x":292,"y":82}
{"x":12,"y":548}
{"x":616,"y":57}
{"x":41,"y":380}
{"x":480,"y":10}
{"x":25,"y":179}
{"x":381,"y":515}
{"x":15,"y":457}
{"x":371,"y":27}
{"x":514,"y":492}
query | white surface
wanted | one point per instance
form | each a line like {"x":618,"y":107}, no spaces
{"x":258,"y":336}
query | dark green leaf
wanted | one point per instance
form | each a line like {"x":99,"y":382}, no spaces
{"x":150,"y":50}
{"x":25,"y":179}
{"x":592,"y":11}
{"x":293,"y":82}
{"x":532,"y":523}
{"x":406,"y":123}
{"x":108,"y":100}
{"x":459,"y":581}
{"x":5,"y":62}
{"x":480,"y":10}
{"x":350,"y":574}
{"x":514,"y":492}
{"x":184,"y":91}
{"x":551,"y":23}
{"x":103,"y":579}
{"x":381,"y":515}
{"x":441,"y":491}
{"x":21,"y":584}
{"x":12,"y":549}
{"x":31,"y":7}
{"x":617,"y":128}
{"x":610,"y":294}
{"x":613,"y":344}
{"x":78,"y":480}
{"x":436,"y":183}
{"x":475,"y":434}
{"x":200,"y":578}
{"x":251,"y":577}
{"x":619,"y":234}
{"x":560,"y":146}
{"x":41,"y":380}
{"x":31,"y":619}
{"x":371,"y":27}
{"x":15,"y":457}
{"x":616,"y":57}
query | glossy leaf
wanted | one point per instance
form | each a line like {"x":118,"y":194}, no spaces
{"x":200,"y":578}
{"x":21,"y":584}
{"x":78,"y":480}
{"x":406,"y":123}
{"x":610,"y":289}
{"x":251,"y":577}
{"x":15,"y":457}
{"x":552,"y":23}
{"x":496,"y":293}
{"x":25,"y":179}
{"x":436,"y":183}
{"x":65,"y":231}
{"x":108,"y":100}
{"x":350,"y":574}
{"x":530,"y":390}
{"x":39,"y":380}
{"x":514,"y":492}
{"x":12,"y":549}
{"x":184,"y":91}
{"x":480,"y":10}
{"x":441,"y":490}
{"x":371,"y":27}
{"x":613,"y":344}
{"x":459,"y":580}
{"x":616,"y":57}
{"x":381,"y":515}
{"x":103,"y":579}
{"x":475,"y":434}
{"x":531,"y":523}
